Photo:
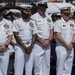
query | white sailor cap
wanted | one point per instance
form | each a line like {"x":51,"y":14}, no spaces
{"x":57,"y":13}
{"x":66,"y":9}
{"x":2,"y":5}
{"x":25,"y":6}
{"x":42,"y":4}
{"x":15,"y":11}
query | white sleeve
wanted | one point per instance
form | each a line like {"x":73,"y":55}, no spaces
{"x":52,"y":25}
{"x":35,"y":29}
{"x":73,"y":27}
{"x":51,"y":22}
{"x":57,"y":27}
{"x":15,"y":26}
{"x":74,"y":30}
{"x":10,"y":32}
{"x":33,"y":17}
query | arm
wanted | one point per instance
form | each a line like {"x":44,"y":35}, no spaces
{"x":57,"y":32}
{"x":33,"y":39}
{"x":51,"y":35}
{"x":12,"y":43}
{"x":9,"y":40}
{"x":73,"y":39}
{"x":16,"y":34}
{"x":46,"y":42}
{"x":19,"y":41}
{"x":59,"y":37}
{"x":72,"y":42}
{"x":7,"y":43}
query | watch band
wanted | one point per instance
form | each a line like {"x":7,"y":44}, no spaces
{"x":6,"y":46}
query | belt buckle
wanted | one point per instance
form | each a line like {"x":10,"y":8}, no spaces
{"x":27,"y":42}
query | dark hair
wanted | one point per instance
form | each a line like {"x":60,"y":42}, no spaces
{"x":74,"y":13}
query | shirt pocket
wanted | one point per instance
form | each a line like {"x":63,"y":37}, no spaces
{"x":63,"y":30}
{"x":39,"y":25}
{"x":21,"y":30}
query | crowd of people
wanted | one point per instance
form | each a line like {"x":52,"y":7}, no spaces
{"x":33,"y":37}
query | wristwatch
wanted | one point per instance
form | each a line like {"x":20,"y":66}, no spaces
{"x":6,"y":46}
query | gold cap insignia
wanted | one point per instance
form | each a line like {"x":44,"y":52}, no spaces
{"x":26,"y":11}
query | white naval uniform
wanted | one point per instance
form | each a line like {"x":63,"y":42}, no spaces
{"x":64,"y":56}
{"x":26,"y":29}
{"x":5,"y":30}
{"x":41,"y":54}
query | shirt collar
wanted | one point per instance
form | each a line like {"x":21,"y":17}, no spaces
{"x":64,"y":20}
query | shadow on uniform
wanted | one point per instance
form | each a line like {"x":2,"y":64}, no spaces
{"x":73,"y":68}
{"x":11,"y":67}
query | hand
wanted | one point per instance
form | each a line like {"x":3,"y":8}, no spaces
{"x":2,"y":48}
{"x":45,"y":43}
{"x":28,"y":49}
{"x":70,"y":46}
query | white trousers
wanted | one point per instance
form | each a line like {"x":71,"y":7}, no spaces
{"x":22,"y":59}
{"x":0,"y":71}
{"x":11,"y":51}
{"x":64,"y":60}
{"x":41,"y":60}
{"x":4,"y":61}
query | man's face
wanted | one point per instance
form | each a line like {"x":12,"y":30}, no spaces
{"x":66,"y":16}
{"x":42,"y":9}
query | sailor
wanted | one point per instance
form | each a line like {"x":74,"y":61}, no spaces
{"x":5,"y":39}
{"x":25,"y":33}
{"x":56,"y":16}
{"x":65,"y":37}
{"x":14,"y":14}
{"x":42,"y":48}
